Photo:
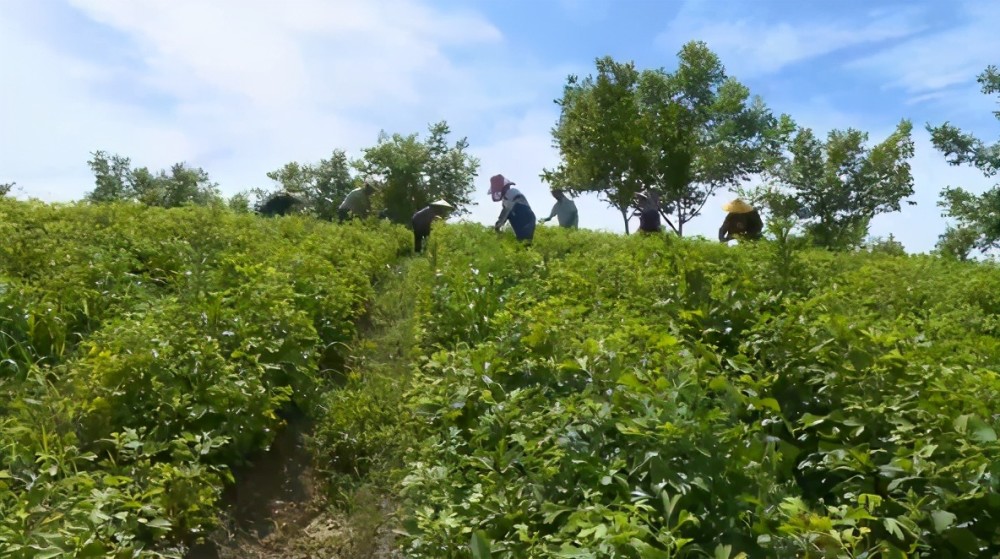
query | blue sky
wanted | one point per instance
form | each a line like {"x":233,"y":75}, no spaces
{"x":239,"y":87}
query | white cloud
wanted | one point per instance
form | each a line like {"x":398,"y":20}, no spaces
{"x":282,"y":53}
{"x":753,"y":46}
{"x":240,"y":87}
{"x":942,"y":64}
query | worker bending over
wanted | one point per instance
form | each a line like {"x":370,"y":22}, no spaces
{"x":742,"y":222}
{"x":565,"y":210}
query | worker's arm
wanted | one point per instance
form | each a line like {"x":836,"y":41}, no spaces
{"x":503,"y":217}
{"x":724,"y":230}
{"x":756,"y":224}
{"x":575,"y":220}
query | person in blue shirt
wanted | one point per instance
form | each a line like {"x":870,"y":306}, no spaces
{"x":565,"y":210}
{"x":515,"y":209}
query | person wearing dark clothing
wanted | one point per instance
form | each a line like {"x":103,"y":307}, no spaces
{"x":742,"y":222}
{"x":515,"y":209}
{"x":648,"y":212}
{"x":281,"y":203}
{"x":423,"y":219}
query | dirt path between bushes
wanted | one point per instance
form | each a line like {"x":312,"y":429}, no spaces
{"x":277,"y":509}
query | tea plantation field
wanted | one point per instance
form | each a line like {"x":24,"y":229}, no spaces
{"x":592,"y":396}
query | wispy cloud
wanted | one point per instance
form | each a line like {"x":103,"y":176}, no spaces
{"x":283,"y":53}
{"x":930,"y":67}
{"x":241,"y":87}
{"x":753,"y":45}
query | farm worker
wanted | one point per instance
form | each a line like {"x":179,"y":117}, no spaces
{"x":357,"y":203}
{"x":742,"y":221}
{"x":422,"y":222}
{"x":515,"y":208}
{"x":648,"y":212}
{"x":565,"y":209}
{"x":280,"y":203}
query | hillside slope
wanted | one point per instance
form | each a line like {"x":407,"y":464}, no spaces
{"x":603,"y":396}
{"x":592,"y":395}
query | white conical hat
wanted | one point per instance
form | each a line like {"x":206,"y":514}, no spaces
{"x":441,"y":203}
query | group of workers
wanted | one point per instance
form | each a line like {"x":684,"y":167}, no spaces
{"x":742,"y":220}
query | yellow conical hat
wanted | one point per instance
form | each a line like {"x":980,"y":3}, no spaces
{"x":737,"y":206}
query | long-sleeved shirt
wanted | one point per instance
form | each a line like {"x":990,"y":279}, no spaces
{"x":748,"y":225}
{"x":356,"y":202}
{"x":565,"y":209}
{"x":422,"y":220}
{"x":649,"y":219}
{"x":512,"y":197}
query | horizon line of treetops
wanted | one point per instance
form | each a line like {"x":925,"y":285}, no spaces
{"x":676,"y":137}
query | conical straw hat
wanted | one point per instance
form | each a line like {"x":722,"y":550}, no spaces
{"x":737,"y":206}
{"x":442,"y":203}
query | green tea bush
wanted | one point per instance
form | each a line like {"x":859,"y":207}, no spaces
{"x":655,"y":397}
{"x":144,"y":351}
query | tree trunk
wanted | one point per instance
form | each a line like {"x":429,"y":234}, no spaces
{"x":625,"y":218}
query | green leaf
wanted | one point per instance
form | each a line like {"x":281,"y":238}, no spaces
{"x":942,"y":520}
{"x":810,"y":420}
{"x":480,"y":545}
{"x":631,"y":381}
{"x":719,"y":383}
{"x":965,"y":540}
{"x":93,"y":549}
{"x":893,"y":527}
{"x":769,"y":403}
{"x":48,"y":553}
{"x":981,"y":431}
{"x":552,"y":512}
{"x":601,"y":531}
{"x":961,"y":422}
{"x":160,"y":523}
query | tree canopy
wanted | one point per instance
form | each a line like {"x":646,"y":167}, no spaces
{"x":321,"y":186}
{"x":684,"y":134}
{"x":834,"y":188}
{"x":116,"y":180}
{"x":411,"y":173}
{"x":977,"y":217}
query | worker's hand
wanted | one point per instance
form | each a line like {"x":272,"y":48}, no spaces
{"x":497,"y":227}
{"x":543,"y":220}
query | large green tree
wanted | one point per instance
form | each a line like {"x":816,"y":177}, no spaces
{"x":116,"y":180}
{"x":413,"y":172}
{"x":834,"y":188}
{"x":599,"y":137}
{"x":684,"y":134}
{"x":321,"y":186}
{"x":977,"y":217}
{"x":703,"y":132}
